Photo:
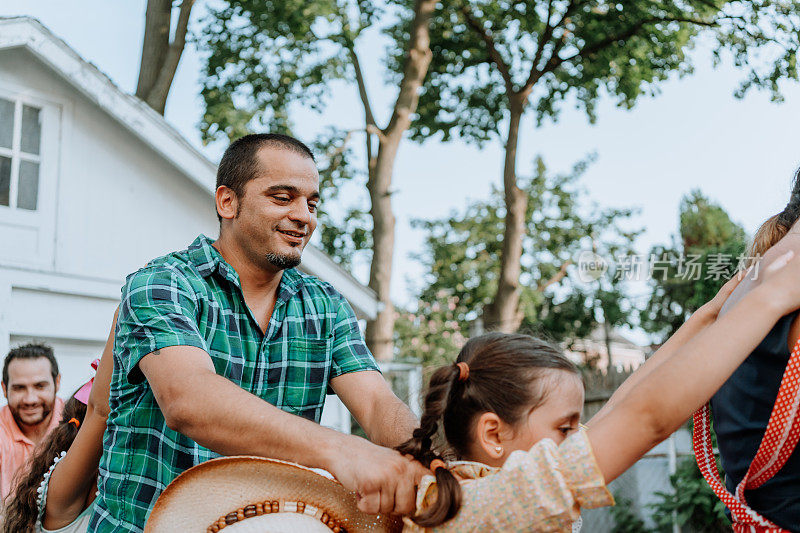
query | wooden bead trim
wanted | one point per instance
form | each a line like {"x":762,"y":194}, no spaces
{"x":275,"y":506}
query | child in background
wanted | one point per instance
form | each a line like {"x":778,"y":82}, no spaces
{"x":56,"y":492}
{"x":510,"y":407}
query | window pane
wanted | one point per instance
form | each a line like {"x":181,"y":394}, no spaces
{"x":31,"y":129}
{"x":5,"y":179}
{"x":6,"y":123}
{"x":28,"y":191}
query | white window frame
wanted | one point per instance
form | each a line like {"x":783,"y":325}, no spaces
{"x":43,"y":218}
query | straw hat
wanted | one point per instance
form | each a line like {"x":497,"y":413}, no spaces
{"x":257,"y":495}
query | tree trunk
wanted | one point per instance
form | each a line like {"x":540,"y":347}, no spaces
{"x":157,"y":97}
{"x":155,"y":44}
{"x":502,"y":314}
{"x":379,"y":331}
{"x":160,"y":57}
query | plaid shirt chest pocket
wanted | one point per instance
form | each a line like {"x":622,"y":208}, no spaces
{"x":297,"y":374}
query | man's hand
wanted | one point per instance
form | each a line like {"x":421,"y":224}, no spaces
{"x":385,"y":480}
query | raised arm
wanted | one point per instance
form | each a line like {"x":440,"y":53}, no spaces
{"x":665,"y":398}
{"x":697,"y":323}
{"x":74,"y":479}
{"x":98,"y":397}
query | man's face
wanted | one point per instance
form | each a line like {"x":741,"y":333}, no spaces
{"x":277,"y":212}
{"x":30,"y":391}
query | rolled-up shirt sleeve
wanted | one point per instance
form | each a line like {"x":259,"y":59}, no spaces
{"x":349,"y":351}
{"x":542,"y":489}
{"x":158,"y":310}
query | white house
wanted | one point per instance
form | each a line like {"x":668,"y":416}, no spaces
{"x":93,"y":184}
{"x":626,"y":355}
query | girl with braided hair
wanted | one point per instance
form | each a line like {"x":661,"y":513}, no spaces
{"x":509,"y":410}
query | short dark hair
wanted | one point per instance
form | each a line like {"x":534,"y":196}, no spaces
{"x":239,"y":165}
{"x":32,"y":350}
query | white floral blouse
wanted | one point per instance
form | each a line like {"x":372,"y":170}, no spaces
{"x":542,"y":489}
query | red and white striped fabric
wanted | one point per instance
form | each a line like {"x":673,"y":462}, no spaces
{"x":778,"y":443}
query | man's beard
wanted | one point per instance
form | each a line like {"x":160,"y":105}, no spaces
{"x":46,"y":410}
{"x":283,"y":261}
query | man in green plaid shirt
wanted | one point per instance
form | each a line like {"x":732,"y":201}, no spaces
{"x":226,"y":349}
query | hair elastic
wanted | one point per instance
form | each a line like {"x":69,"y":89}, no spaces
{"x":77,"y":422}
{"x":436,"y":464}
{"x":463,"y":371}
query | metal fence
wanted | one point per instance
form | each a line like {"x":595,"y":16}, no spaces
{"x":405,"y":380}
{"x":641,"y":484}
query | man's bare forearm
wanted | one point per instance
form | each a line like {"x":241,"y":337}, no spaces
{"x":394,"y":425}
{"x":384,"y":417}
{"x":231,"y":421}
{"x":697,"y":323}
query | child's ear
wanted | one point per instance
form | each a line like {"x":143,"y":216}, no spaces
{"x":490,"y":433}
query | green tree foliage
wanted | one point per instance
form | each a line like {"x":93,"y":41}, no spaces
{"x":625,"y":519}
{"x":461,"y":258}
{"x":431,"y":333}
{"x":688,"y":273}
{"x":495,"y":60}
{"x":585,"y":49}
{"x":261,"y":56}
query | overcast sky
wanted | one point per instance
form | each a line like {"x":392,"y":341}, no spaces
{"x":694,"y":134}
